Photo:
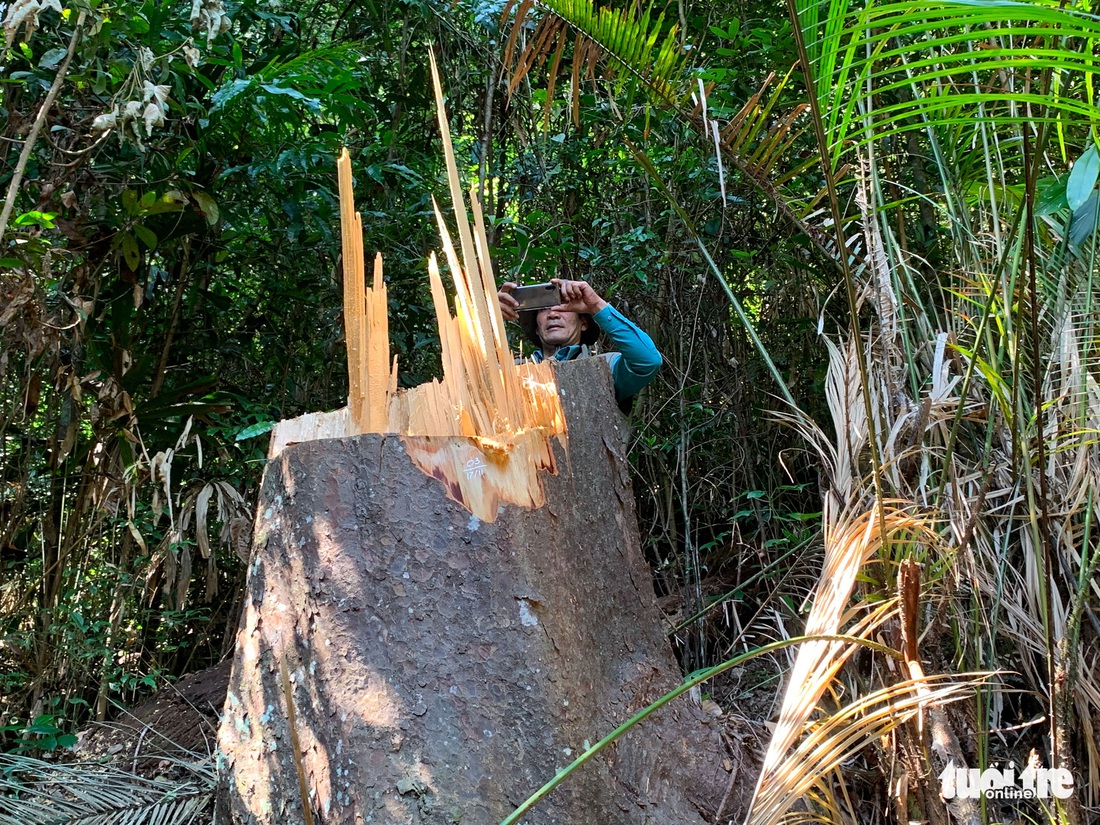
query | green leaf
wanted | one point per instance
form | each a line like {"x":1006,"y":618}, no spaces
{"x":1083,"y":221}
{"x":165,"y":203}
{"x":208,"y":206}
{"x":1082,"y":178}
{"x":291,"y":93}
{"x":1051,"y":196}
{"x":52,"y":58}
{"x":10,"y":263}
{"x":146,"y":236}
{"x":43,"y":219}
{"x":130,"y":251}
{"x":227,"y":94}
{"x":255,"y":430}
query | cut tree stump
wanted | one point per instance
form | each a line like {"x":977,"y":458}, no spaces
{"x":440,"y":668}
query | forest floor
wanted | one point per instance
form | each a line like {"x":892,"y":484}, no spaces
{"x":178,"y":726}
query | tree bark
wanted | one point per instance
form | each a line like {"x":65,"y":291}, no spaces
{"x":442,"y":668}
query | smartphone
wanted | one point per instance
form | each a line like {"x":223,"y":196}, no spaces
{"x":537,"y":296}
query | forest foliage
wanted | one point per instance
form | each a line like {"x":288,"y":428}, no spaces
{"x":871,"y":278}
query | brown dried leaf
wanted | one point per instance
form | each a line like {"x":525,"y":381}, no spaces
{"x":202,"y":504}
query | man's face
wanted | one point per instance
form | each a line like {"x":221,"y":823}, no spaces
{"x":560,"y":329}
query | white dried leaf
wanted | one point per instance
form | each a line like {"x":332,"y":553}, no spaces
{"x":181,"y":442}
{"x":20,"y":12}
{"x":137,"y":537}
{"x":192,"y":55}
{"x":209,"y":16}
{"x":132,"y":110}
{"x":156,"y":94}
{"x":104,"y":123}
{"x":153,"y":117}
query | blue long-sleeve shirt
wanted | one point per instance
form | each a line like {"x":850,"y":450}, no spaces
{"x":634,"y":361}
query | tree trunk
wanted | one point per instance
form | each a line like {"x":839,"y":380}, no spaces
{"x":442,"y":668}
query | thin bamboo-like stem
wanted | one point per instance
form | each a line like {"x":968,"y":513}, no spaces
{"x":654,"y":176}
{"x":39,"y":122}
{"x":842,"y":257}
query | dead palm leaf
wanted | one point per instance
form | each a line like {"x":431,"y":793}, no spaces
{"x":827,"y":743}
{"x":850,"y":542}
{"x":34,"y":792}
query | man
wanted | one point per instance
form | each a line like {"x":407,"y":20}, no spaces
{"x":564,"y":333}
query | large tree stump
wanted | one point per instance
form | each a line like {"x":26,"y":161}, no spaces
{"x":442,"y":668}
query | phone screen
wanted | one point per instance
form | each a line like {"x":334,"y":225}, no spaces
{"x":538,"y":296}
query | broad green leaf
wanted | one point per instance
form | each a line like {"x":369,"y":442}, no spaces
{"x":42,"y":727}
{"x":43,"y":219}
{"x":1084,"y":221}
{"x":227,"y":94}
{"x":166,"y":203}
{"x":52,"y":58}
{"x":1051,"y":196}
{"x":146,"y":236}
{"x":130,"y":251}
{"x":208,"y":206}
{"x":255,"y":430}
{"x":1082,"y":178}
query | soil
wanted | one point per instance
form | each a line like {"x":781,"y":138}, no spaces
{"x":178,"y":723}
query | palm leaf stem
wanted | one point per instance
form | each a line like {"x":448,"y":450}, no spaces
{"x":843,"y":261}
{"x":1032,"y":161}
{"x":971,"y":367}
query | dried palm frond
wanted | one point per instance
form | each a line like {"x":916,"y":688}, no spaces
{"x":848,"y":545}
{"x":34,"y":792}
{"x":804,"y":771}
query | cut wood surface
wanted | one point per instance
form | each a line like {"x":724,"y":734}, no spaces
{"x":510,"y":411}
{"x":443,"y":668}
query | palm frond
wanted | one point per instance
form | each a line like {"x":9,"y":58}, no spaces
{"x":640,"y":44}
{"x":848,"y":545}
{"x":35,"y":792}
{"x":804,"y":772}
{"x":955,"y":64}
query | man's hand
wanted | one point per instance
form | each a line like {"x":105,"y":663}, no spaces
{"x":508,"y":304}
{"x":576,"y":296}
